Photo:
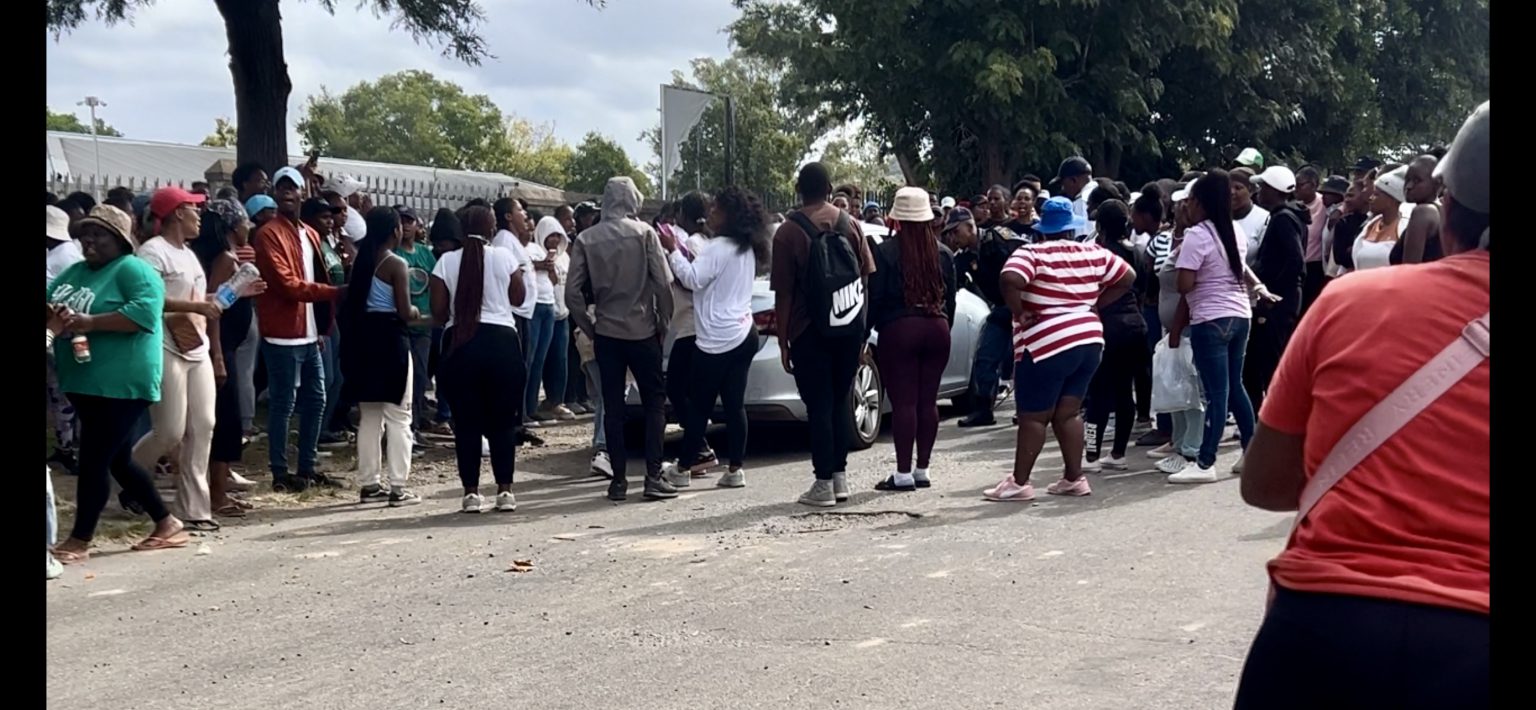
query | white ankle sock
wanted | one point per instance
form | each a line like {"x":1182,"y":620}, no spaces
{"x":920,"y":474}
{"x":902,"y":479}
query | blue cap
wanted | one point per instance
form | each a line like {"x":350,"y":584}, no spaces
{"x":871,"y":205}
{"x":257,"y":203}
{"x":1056,"y":216}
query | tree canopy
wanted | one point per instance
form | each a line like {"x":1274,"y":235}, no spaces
{"x":70,"y":123}
{"x":598,"y":158}
{"x":980,"y":91}
{"x":224,"y":134}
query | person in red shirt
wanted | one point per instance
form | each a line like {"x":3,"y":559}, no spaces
{"x":1381,"y":596}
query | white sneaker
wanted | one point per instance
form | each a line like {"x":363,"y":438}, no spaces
{"x":671,"y":474}
{"x":601,"y":466}
{"x":733,"y":479}
{"x":240,"y":483}
{"x":1195,"y":474}
{"x":506,"y":502}
{"x":474,"y":503}
{"x":1113,"y":464}
{"x":1172,"y":464}
{"x":1092,"y":466}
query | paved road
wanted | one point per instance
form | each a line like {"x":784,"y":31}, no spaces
{"x":1143,"y":596}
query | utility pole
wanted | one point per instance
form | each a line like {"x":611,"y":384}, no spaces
{"x":94,"y":103}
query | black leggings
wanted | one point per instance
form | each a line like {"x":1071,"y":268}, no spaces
{"x":106,"y":448}
{"x":228,"y":441}
{"x":1266,"y":343}
{"x":642,"y":358}
{"x":483,"y":382}
{"x":1111,"y":391}
{"x":1335,"y":651}
{"x":723,"y":377}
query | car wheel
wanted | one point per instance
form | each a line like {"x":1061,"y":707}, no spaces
{"x":868,"y":397}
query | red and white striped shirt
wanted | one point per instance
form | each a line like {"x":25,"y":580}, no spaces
{"x":1063,"y":280}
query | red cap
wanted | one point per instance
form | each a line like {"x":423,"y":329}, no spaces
{"x":167,"y":199}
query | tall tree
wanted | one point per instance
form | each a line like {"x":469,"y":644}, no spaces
{"x":534,"y":153}
{"x":598,"y":158}
{"x":224,"y":135}
{"x":409,"y":117}
{"x":855,"y":161}
{"x":70,"y":123}
{"x":256,"y":61}
{"x":771,"y":137}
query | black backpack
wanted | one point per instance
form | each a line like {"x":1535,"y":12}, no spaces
{"x":834,"y":280}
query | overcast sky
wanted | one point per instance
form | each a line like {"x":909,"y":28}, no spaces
{"x":166,"y":77}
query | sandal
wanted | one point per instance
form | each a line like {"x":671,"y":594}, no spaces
{"x":71,"y":557}
{"x":178,"y":539}
{"x":207,"y":526}
{"x":231,"y":509}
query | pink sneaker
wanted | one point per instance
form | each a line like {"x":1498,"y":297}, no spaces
{"x":1070,"y":488}
{"x":1008,"y":491}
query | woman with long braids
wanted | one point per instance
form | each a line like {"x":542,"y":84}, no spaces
{"x":376,"y":365}
{"x":474,"y":292}
{"x":1212,"y":279}
{"x":912,"y":303}
{"x":719,"y":275}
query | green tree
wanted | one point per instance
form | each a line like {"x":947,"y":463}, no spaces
{"x":534,"y":153}
{"x":224,"y":134}
{"x":70,"y":123}
{"x":256,"y":63}
{"x":598,"y":158}
{"x":409,"y":117}
{"x":771,"y":137}
{"x":859,"y":162}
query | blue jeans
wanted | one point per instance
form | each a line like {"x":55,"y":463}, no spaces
{"x":1219,"y":345}
{"x":541,"y":328}
{"x":444,"y":413}
{"x":595,"y":386}
{"x":1188,"y":432}
{"x":994,"y":353}
{"x":330,"y":355}
{"x":295,"y":374}
{"x":555,"y":364}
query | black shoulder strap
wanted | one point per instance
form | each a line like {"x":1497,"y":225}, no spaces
{"x":804,"y":223}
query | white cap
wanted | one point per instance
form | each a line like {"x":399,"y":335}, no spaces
{"x":1394,"y":183}
{"x":344,"y":185}
{"x":947,"y":202}
{"x":58,"y":224}
{"x":356,"y":227}
{"x":1045,"y":194}
{"x":1250,"y":157}
{"x":1464,"y":169}
{"x":287,"y":173}
{"x":1278,"y":177}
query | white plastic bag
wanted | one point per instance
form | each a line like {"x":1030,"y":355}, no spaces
{"x":1175,"y":382}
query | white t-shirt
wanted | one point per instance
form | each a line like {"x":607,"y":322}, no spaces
{"x":1253,"y":225}
{"x":62,"y":257}
{"x":500,"y":265}
{"x":720,"y":277}
{"x":872,"y":229}
{"x":311,"y":332}
{"x":1080,"y":209}
{"x":184,"y":281}
{"x":562,"y":268}
{"x":544,"y":291}
{"x":509,"y":241}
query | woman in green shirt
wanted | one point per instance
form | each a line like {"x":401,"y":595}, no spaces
{"x":115,"y":301}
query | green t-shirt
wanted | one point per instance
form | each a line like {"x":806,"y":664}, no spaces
{"x":421,"y":296}
{"x":123,"y":365}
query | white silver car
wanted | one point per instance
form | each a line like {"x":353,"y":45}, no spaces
{"x":773,"y":397}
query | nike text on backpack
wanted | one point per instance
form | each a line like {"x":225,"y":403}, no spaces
{"x":834,"y":280}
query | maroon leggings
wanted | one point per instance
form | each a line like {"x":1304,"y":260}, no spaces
{"x":912,"y":355}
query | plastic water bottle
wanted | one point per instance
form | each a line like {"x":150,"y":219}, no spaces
{"x":231,"y":290}
{"x":82,"y":349}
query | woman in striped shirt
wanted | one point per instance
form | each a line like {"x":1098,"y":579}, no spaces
{"x":1053,"y":289}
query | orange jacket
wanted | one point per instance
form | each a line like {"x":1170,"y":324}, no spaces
{"x":280,"y":258}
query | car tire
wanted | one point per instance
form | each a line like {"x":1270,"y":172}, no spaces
{"x":867,"y":401}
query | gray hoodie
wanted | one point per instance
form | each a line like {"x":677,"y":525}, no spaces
{"x":618,"y":267}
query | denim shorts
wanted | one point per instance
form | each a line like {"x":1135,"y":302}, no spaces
{"x":1038,"y":386}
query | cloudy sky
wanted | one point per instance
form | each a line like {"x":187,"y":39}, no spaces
{"x":166,"y":76}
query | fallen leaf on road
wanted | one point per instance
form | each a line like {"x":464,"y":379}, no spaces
{"x":521,"y":566}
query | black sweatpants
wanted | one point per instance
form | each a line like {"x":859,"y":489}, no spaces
{"x":680,"y":371}
{"x":724,"y":377}
{"x":106,"y":447}
{"x":1335,"y":651}
{"x":824,"y":369}
{"x":642,"y":358}
{"x":1266,"y":343}
{"x":1111,"y":391}
{"x":483,"y":381}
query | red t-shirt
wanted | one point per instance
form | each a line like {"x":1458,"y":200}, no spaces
{"x":1064,"y":279}
{"x":1410,"y":523}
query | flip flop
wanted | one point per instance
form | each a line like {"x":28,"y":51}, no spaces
{"x":201,"y":525}
{"x":177,"y":540}
{"x":70,"y":557}
{"x":230,"y":510}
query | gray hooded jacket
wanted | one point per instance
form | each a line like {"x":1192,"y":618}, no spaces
{"x":618,"y":268}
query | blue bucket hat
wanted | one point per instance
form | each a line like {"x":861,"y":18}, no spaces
{"x":257,"y":203}
{"x":1056,"y":216}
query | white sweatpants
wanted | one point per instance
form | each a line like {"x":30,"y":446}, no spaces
{"x":389,"y":425}
{"x":184,"y":415}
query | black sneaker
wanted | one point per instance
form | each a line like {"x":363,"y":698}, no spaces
{"x":1154,"y":438}
{"x":402,"y":498}
{"x":290,"y":484}
{"x":334,"y":439}
{"x":658,"y":489}
{"x":978,"y":419}
{"x":618,"y":489}
{"x":375,"y":492}
{"x":320,"y":480}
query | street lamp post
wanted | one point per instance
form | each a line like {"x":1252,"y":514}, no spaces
{"x":94,"y":103}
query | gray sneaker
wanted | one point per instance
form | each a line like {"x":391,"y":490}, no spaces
{"x":733,"y":479}
{"x":678,"y":478}
{"x":659,"y":489}
{"x":820,"y":495}
{"x":840,"y":486}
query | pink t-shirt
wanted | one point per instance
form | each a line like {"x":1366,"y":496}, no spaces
{"x":1217,"y":293}
{"x":1314,"y":251}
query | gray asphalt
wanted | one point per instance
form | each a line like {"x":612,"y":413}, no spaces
{"x":1144,"y":595}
